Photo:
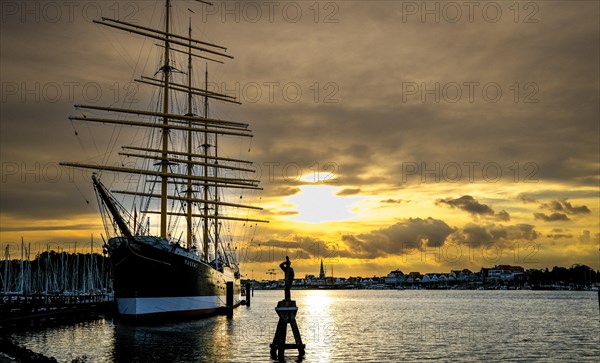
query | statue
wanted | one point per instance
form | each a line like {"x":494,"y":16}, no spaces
{"x":289,"y":276}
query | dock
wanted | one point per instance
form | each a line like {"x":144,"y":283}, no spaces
{"x":18,"y":310}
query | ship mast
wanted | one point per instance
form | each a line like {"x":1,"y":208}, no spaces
{"x":217,"y":222}
{"x":191,"y":126}
{"x":206,"y":145}
{"x":164,"y":187}
{"x":189,"y":143}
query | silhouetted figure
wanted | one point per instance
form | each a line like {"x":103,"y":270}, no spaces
{"x":289,"y":276}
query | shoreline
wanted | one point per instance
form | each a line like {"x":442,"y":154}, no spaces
{"x":12,"y":352}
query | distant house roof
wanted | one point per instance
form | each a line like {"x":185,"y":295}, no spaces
{"x":509,"y":268}
{"x":396,"y":272}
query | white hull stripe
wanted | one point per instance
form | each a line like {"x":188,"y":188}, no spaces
{"x":153,"y":305}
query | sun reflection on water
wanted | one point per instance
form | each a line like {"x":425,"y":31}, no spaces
{"x":317,"y":323}
{"x":316,"y":300}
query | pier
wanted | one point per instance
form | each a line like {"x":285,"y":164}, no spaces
{"x":24,"y":310}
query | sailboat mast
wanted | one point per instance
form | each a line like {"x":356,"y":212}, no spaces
{"x":189,"y":143}
{"x":206,"y":146}
{"x":22,"y":287}
{"x":165,"y":136}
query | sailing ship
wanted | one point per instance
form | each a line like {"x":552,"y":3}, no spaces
{"x":180,"y":165}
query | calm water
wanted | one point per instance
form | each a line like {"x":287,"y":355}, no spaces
{"x":353,"y":326}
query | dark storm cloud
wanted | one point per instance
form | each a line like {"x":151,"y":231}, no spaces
{"x":398,"y":239}
{"x":472,"y":206}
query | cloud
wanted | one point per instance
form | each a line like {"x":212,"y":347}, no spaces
{"x":369,"y":133}
{"x":348,"y":191}
{"x":467,"y":203}
{"x":399,"y":238}
{"x":526,"y":198}
{"x":559,"y":235}
{"x":503,"y":215}
{"x":476,"y":235}
{"x":394,"y":201}
{"x":70,"y":227}
{"x":563,"y":205}
{"x":585,"y":236}
{"x":280,"y":190}
{"x":552,"y":217}
{"x":472,"y":206}
{"x":296,"y":247}
{"x":281,"y":212}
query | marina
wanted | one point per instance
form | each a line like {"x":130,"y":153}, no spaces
{"x":53,"y":286}
{"x":229,"y":181}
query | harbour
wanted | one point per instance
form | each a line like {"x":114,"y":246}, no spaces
{"x":354,"y":325}
{"x":40,"y":285}
{"x":229,"y":181}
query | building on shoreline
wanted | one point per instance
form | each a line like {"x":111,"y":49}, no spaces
{"x":577,"y":277}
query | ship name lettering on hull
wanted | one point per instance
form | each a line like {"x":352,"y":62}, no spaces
{"x":191,"y":263}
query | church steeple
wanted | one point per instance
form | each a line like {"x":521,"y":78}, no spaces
{"x":322,"y":272}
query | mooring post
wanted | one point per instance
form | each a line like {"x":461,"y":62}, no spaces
{"x":229,"y":299}
{"x":286,"y":310}
{"x":248,"y":294}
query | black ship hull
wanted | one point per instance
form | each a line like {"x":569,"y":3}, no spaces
{"x":154,"y":280}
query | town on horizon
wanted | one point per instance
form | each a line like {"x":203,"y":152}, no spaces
{"x":577,"y":277}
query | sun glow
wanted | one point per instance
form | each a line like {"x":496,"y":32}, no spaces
{"x":320,"y":203}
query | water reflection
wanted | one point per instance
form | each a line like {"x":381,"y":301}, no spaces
{"x":315,"y":301}
{"x":182,"y":342}
{"x":350,"y":326}
{"x":317,"y":324}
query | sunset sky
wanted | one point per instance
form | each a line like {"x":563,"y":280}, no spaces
{"x":420,"y":136}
